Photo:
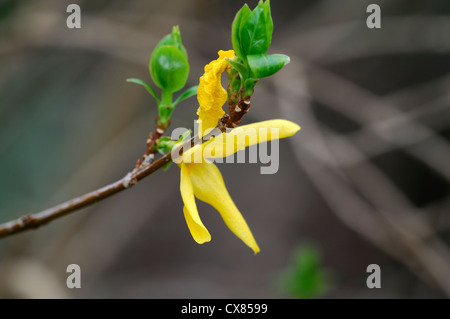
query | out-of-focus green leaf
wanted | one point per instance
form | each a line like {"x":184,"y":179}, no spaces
{"x":7,"y":7}
{"x":165,"y":145}
{"x":306,"y":278}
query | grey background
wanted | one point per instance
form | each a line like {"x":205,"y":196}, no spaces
{"x":366,"y":180}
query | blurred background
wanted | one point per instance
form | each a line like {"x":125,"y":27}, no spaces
{"x":366,"y":180}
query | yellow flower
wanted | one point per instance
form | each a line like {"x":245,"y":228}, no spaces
{"x":204,"y":181}
{"x":211,"y":95}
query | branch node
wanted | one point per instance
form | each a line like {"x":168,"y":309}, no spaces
{"x":128,"y":180}
{"x":29,"y":221}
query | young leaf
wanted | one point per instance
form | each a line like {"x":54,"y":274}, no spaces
{"x":242,"y":69}
{"x":148,"y":87}
{"x":263,"y":65}
{"x":165,"y":145}
{"x":269,"y":21}
{"x":186,"y":94}
{"x":256,"y":32}
{"x":241,"y":16}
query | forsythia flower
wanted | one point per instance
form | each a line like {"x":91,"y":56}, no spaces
{"x":210,"y":94}
{"x":205,"y":181}
{"x":201,"y":178}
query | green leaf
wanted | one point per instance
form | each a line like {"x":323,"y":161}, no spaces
{"x":242,"y":69}
{"x":186,"y":94}
{"x":263,"y":65}
{"x":235,"y":30}
{"x":269,"y":21}
{"x":255,"y":32}
{"x":148,"y":87}
{"x":306,"y":278}
{"x":169,"y":68}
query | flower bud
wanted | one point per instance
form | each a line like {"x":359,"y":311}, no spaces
{"x":169,"y":66}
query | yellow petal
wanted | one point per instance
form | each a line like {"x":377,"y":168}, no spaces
{"x":198,"y":230}
{"x":241,"y":137}
{"x":192,"y":155}
{"x":210,"y":188}
{"x":210,"y":94}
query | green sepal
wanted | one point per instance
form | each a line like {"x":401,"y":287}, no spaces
{"x":165,"y":145}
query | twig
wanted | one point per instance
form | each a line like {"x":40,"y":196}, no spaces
{"x":237,"y":110}
{"x":143,"y":168}
{"x":36,"y":220}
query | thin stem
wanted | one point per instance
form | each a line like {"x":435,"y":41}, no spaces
{"x":166,"y":98}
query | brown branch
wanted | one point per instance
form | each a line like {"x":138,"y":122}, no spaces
{"x":152,"y":142}
{"x":238,"y":108}
{"x":36,"y":220}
